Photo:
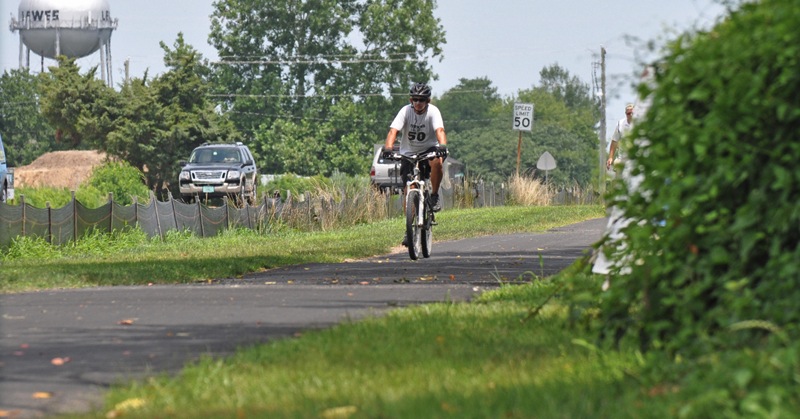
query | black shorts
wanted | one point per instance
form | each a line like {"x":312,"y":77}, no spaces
{"x":406,"y":169}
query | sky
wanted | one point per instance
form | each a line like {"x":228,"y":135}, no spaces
{"x":507,"y":41}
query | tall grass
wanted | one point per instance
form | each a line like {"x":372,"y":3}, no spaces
{"x":327,"y":207}
{"x":528,"y":191}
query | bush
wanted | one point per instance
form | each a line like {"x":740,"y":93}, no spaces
{"x":121,"y":179}
{"x":718,"y":234}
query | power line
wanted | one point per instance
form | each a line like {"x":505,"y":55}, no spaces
{"x":371,"y":120}
{"x":329,"y":62}
{"x":325,"y":96}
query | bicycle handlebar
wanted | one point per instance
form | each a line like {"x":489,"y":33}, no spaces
{"x":421,"y":156}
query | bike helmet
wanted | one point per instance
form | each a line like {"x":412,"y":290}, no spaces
{"x":421,"y":90}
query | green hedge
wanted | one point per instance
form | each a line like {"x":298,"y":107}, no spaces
{"x":717,"y":240}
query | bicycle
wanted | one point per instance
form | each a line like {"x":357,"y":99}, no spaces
{"x":420,"y":217}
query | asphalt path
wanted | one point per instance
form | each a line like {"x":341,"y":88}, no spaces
{"x":61,"y":349}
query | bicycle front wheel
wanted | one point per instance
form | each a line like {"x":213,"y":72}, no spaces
{"x":427,"y":228}
{"x":412,"y":225}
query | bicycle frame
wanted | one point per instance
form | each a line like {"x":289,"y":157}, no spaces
{"x":417,"y":186}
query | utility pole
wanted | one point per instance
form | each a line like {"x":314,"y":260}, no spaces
{"x":127,"y":70}
{"x":602,"y":143}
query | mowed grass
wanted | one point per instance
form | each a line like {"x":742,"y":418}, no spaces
{"x":460,"y":360}
{"x":132,"y":259}
{"x":489,"y":358}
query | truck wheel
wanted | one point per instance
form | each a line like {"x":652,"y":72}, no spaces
{"x":243,"y":193}
{"x":254,"y":196}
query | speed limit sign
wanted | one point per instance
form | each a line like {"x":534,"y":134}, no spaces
{"x":523,"y":116}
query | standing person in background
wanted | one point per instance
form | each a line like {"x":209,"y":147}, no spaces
{"x":617,"y":219}
{"x":623,"y":126}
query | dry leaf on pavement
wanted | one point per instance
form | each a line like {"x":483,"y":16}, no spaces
{"x":60,"y":361}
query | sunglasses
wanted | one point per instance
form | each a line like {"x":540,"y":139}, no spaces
{"x":419,"y":99}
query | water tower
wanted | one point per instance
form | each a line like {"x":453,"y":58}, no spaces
{"x":73,"y":28}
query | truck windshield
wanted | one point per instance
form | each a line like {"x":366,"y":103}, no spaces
{"x":215,"y":155}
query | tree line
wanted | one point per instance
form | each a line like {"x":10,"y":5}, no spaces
{"x":310,"y":86}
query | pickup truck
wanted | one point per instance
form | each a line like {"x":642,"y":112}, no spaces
{"x":218,"y":170}
{"x":6,"y":176}
{"x":385,"y":175}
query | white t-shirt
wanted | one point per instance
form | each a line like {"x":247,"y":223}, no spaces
{"x":623,"y":126}
{"x":418,"y":132}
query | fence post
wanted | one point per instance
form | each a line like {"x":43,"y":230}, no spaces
{"x":135,"y":210}
{"x":174,"y":213}
{"x":74,"y":218}
{"x":158,"y":219}
{"x":49,"y":223}
{"x":247,"y":213}
{"x":262,"y":216}
{"x":110,"y":212}
{"x":307,"y":198}
{"x":200,"y":215}
{"x":227,"y":214}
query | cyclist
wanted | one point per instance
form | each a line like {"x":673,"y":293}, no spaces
{"x":422,"y":130}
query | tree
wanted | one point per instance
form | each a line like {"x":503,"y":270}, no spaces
{"x":490,"y":151}
{"x":278,"y":53}
{"x":26,"y":133}
{"x":288,"y":66}
{"x":400,"y":37}
{"x":81,"y":108}
{"x":163,"y":121}
{"x":150,"y":124}
{"x":310,"y":147}
{"x":470,"y":104}
{"x":575,"y":94}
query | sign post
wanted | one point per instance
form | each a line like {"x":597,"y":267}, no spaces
{"x":523,"y":121}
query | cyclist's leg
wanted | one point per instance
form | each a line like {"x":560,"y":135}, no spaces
{"x":436,"y":174}
{"x":406,"y":169}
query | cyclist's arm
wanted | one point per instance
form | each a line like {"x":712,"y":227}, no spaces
{"x":441,"y":137}
{"x":390,"y":139}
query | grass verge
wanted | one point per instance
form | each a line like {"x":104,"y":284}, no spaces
{"x":132,"y":259}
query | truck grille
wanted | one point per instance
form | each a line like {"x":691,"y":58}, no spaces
{"x":208,"y":176}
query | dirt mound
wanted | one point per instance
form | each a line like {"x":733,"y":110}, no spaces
{"x":59,"y":169}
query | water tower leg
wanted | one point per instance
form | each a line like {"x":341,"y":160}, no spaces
{"x":21,"y":56}
{"x":103,"y":64}
{"x":108,"y":63}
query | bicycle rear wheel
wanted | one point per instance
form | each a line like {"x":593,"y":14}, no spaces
{"x":412,"y":226}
